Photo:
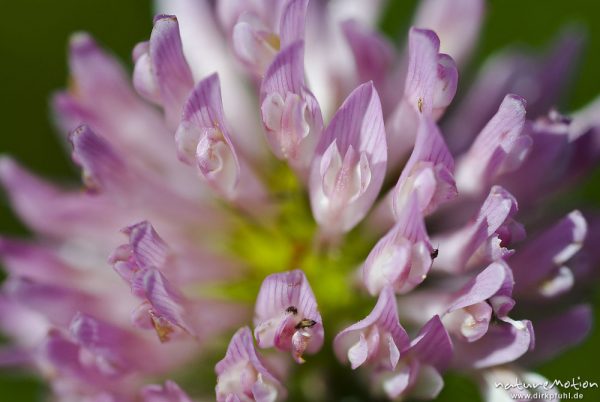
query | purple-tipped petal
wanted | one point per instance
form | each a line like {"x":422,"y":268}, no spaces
{"x":431,"y":83}
{"x":203,"y":110}
{"x":149,"y":250}
{"x":422,"y":72}
{"x":501,"y":147}
{"x":428,"y":171}
{"x":350,"y":162}
{"x":203,"y":140}
{"x":138,"y":262}
{"x":241,"y":375}
{"x":290,"y":113}
{"x":470,"y":312}
{"x":145,"y":249}
{"x":162,"y":73}
{"x":286,"y":315}
{"x":485,"y":238}
{"x":377,"y":339}
{"x":166,"y":305}
{"x":170,"y":392}
{"x":456,"y":22}
{"x":102,"y":168}
{"x":484,"y":286}
{"x":401,"y":258}
{"x":540,"y":265}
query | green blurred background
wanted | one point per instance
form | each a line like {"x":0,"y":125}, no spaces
{"x":33,"y":37}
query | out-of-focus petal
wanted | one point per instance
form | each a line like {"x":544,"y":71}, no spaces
{"x":559,"y":332}
{"x":503,"y":343}
{"x":419,"y":371}
{"x":456,"y":22}
{"x":373,"y":54}
{"x":540,"y":266}
{"x":170,"y":392}
{"x":102,"y":167}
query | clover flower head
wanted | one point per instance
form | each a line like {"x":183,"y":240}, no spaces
{"x":279,"y":177}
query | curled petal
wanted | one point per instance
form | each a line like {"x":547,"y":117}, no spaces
{"x":490,"y":282}
{"x":503,"y":343}
{"x":378,"y":338}
{"x":431,"y":82}
{"x":241,"y":374}
{"x":499,"y":148}
{"x":470,"y":312}
{"x":401,"y":258}
{"x":290,"y":113}
{"x":428,"y":171}
{"x":469,"y":323}
{"x":422,"y":73}
{"x":166,"y":304}
{"x":348,"y":169}
{"x":486,"y":238}
{"x":286,"y":315}
{"x":161,"y":72}
{"x":203,"y":110}
{"x":203,"y":140}
{"x":147,"y":246}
